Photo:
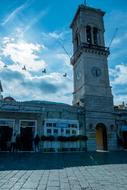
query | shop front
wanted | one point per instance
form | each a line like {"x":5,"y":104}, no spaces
{"x":28,"y":130}
{"x":6,"y":131}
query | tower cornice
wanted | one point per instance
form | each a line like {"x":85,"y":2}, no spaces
{"x":89,"y":48}
{"x":86,"y":8}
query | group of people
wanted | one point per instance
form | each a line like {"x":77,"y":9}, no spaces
{"x":20,"y":143}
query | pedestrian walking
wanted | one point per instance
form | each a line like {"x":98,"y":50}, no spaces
{"x":36,"y":143}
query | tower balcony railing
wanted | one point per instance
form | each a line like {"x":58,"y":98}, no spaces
{"x":92,"y":47}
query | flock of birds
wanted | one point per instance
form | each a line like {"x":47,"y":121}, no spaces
{"x":44,"y":71}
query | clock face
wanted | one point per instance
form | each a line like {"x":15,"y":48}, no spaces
{"x":96,"y":72}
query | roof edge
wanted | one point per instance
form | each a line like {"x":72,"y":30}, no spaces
{"x":84,"y":7}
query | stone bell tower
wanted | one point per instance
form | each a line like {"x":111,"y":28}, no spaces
{"x":91,"y":77}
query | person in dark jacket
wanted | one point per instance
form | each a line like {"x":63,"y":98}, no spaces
{"x":36,"y":143}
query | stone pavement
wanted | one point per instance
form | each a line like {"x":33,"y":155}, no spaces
{"x":69,"y":171}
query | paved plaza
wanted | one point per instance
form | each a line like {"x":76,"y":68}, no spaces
{"x":67,"y":171}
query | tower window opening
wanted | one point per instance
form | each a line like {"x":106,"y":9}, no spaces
{"x":77,"y":40}
{"x":88,"y":34}
{"x":95,"y":35}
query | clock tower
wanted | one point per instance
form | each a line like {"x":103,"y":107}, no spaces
{"x":90,"y":68}
{"x":92,"y":89}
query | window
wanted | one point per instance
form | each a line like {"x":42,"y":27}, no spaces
{"x":77,"y":40}
{"x":54,"y":124}
{"x":95,"y":36}
{"x":62,"y":130}
{"x":88,"y":34}
{"x":73,"y":132}
{"x":49,"y":131}
{"x":49,"y":124}
{"x":72,"y":125}
{"x":55,"y":131}
{"x":69,"y":125}
{"x":68,"y":132}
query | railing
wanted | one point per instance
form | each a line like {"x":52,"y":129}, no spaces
{"x":89,"y":46}
{"x":96,"y":47}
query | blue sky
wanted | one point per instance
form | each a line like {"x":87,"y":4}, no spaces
{"x":30,"y":35}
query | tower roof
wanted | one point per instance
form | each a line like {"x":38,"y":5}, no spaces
{"x":1,"y":88}
{"x":86,"y":8}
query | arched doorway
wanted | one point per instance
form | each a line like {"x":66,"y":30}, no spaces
{"x":101,"y":137}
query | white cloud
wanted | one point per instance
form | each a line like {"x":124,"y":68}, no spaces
{"x":32,"y":83}
{"x":119,"y":83}
{"x":24,"y":53}
{"x":56,"y":35}
{"x":1,"y":64}
{"x":119,"y":40}
{"x":118,"y":99}
{"x":119,"y":73}
{"x":50,"y":87}
{"x":116,"y":42}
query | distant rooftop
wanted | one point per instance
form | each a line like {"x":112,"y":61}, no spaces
{"x":122,"y":106}
{"x":43,"y":102}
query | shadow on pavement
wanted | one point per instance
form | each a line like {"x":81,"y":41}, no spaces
{"x":39,"y":161}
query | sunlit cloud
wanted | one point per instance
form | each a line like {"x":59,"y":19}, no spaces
{"x":119,"y":83}
{"x":120,"y":74}
{"x":1,"y":64}
{"x":23,"y":53}
{"x":50,"y":86}
{"x":119,"y":40}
